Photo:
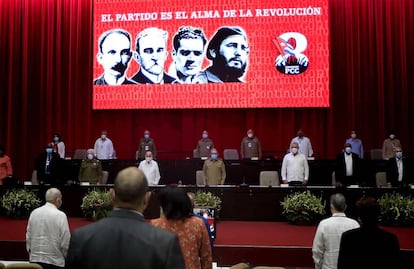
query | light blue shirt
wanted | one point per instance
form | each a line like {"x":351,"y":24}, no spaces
{"x":356,"y":145}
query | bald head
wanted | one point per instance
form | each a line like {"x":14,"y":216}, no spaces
{"x":130,"y":187}
{"x":52,"y":195}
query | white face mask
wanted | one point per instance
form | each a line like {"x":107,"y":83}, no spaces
{"x":146,"y":136}
{"x":205,"y":136}
{"x":392,"y":136}
{"x":90,"y":156}
{"x":348,"y":150}
{"x":250,"y":135}
{"x":294,"y":150}
{"x":148,"y":159}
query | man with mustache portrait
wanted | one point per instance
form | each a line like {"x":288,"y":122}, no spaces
{"x":114,"y":56}
{"x":229,"y":51}
{"x":151,"y":53}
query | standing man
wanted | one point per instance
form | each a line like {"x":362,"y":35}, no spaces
{"x":151,"y":53}
{"x":389,"y":145}
{"x":214,"y":169}
{"x":47,"y":233}
{"x":146,"y":144}
{"x":103,"y":148}
{"x":369,"y":246}
{"x":356,"y":145}
{"x":305,"y":146}
{"x":49,"y":166}
{"x":347,"y":167}
{"x":295,"y":168}
{"x":204,"y":146}
{"x":124,"y":239}
{"x":188,"y":55}
{"x":229,"y":50}
{"x":250,"y":146}
{"x":398,"y":169}
{"x":90,"y":169}
{"x":114,"y":56}
{"x":328,"y":234}
{"x":150,"y":169}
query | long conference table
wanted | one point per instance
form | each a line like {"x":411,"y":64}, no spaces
{"x":242,"y":196}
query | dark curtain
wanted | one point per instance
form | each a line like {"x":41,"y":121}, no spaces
{"x":45,"y":73}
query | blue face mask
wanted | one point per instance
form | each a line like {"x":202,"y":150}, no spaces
{"x":213,"y":156}
{"x":348,"y":150}
{"x":49,"y":150}
{"x":398,"y":154}
{"x":56,"y":139}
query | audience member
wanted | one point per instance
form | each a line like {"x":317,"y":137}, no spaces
{"x":103,"y":148}
{"x":47,"y":234}
{"x":305,"y":146}
{"x":295,"y":168}
{"x":48,"y":167}
{"x":369,"y":246}
{"x":356,"y":144}
{"x":114,"y":55}
{"x":229,"y":52}
{"x":192,"y":197}
{"x":250,"y":146}
{"x":90,"y":169}
{"x":151,"y":54}
{"x":177,"y":218}
{"x":6,"y":169}
{"x":204,"y":146}
{"x":58,"y":145}
{"x":146,"y":144}
{"x":188,"y":55}
{"x":347,"y":167}
{"x":214,"y":169}
{"x":325,"y":247}
{"x":389,"y":145}
{"x":150,"y":169}
{"x":124,"y":239}
{"x":398,"y":169}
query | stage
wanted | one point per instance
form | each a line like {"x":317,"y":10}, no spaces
{"x":259,"y":243}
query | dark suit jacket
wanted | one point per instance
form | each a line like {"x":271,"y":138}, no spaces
{"x":140,"y":78}
{"x":392,"y":172}
{"x":123,"y":240}
{"x":369,"y":247}
{"x":340,"y":169}
{"x":56,"y":167}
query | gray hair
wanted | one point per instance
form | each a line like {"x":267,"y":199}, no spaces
{"x":52,"y":195}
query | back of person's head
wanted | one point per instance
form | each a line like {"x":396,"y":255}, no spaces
{"x":175,"y":203}
{"x":338,"y":202}
{"x":54,"y":196}
{"x":368,"y":211}
{"x":130,"y":187}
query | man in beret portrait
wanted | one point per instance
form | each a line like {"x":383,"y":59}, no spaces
{"x":228,"y":50}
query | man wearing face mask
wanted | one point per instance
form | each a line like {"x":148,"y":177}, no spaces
{"x":49,"y":167}
{"x":150,"y":169}
{"x":146,"y":144}
{"x":305,"y":146}
{"x":91,"y":169}
{"x":47,"y":233}
{"x":104,"y":148}
{"x":295,"y":168}
{"x":398,"y":169}
{"x":347,"y":167}
{"x":204,"y":146}
{"x":214,"y":169}
{"x":250,"y":146}
{"x":356,"y":145}
{"x":389,"y":146}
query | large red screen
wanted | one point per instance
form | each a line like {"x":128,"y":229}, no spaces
{"x":257,"y":54}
